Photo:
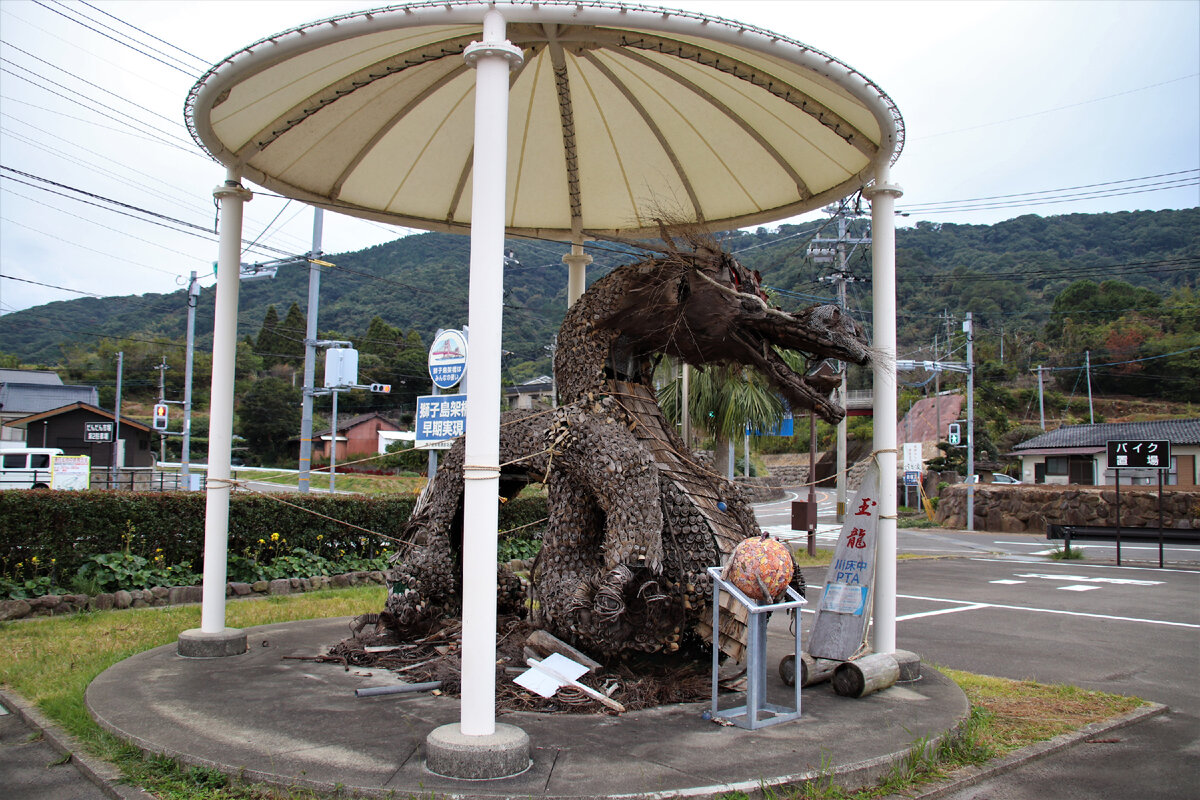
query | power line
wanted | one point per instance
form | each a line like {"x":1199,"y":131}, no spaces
{"x":157,"y":134}
{"x":205,"y":62}
{"x":190,"y":73}
{"x":1050,"y":191}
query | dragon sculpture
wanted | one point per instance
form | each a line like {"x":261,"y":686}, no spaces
{"x":634,"y":516}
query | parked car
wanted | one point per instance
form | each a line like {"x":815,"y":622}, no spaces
{"x":26,"y":467}
{"x":998,"y":477}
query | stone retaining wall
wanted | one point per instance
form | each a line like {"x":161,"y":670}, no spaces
{"x":1028,"y":509}
{"x":53,"y":604}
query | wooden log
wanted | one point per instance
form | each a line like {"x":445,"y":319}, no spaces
{"x":865,"y":676}
{"x":812,"y":670}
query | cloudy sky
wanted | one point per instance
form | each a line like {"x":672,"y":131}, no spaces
{"x":1011,"y":108}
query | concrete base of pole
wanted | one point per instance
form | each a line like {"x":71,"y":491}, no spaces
{"x":910,"y":665}
{"x":452,"y":754}
{"x":196,"y":643}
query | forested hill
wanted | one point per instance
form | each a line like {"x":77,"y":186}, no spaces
{"x":1011,"y":275}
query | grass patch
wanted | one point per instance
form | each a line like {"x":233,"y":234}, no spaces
{"x":43,"y":660}
{"x":1067,"y":553}
{"x":51,"y":660}
{"x":348,"y":482}
{"x":1006,"y":715}
{"x":1024,"y":712}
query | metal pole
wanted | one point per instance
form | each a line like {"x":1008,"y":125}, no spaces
{"x":686,"y":415}
{"x":333,"y":444}
{"x":576,"y":262}
{"x":1087,"y":366}
{"x":162,"y":398}
{"x":746,"y":454}
{"x":841,"y":393}
{"x":185,"y":454}
{"x":492,"y":58}
{"x":117,"y":453}
{"x":1041,"y":399}
{"x":812,"y":484}
{"x":1118,"y":472}
{"x":310,"y":351}
{"x":1160,"y":518}
{"x":969,"y":330}
{"x":231,"y":196}
{"x":882,"y":195}
{"x":433,"y":459}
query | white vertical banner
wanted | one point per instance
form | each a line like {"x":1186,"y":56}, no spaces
{"x":844,"y":610}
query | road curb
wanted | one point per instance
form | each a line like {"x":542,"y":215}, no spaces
{"x":107,"y":777}
{"x":969,"y":776}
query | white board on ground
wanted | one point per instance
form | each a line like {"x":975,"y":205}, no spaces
{"x":842,"y":615}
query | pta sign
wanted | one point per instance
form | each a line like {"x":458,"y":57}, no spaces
{"x":1131,"y":454}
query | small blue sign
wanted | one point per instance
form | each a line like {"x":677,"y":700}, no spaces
{"x":441,"y":418}
{"x":784,"y":428}
{"x":912,"y":478}
{"x":448,"y":358}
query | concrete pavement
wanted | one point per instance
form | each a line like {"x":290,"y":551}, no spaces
{"x":268,"y":716}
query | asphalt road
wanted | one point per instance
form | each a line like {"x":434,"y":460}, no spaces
{"x":1000,"y":607}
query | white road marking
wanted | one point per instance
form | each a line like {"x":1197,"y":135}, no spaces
{"x":1086,"y":579}
{"x":972,"y":607}
{"x":1076,"y":587}
{"x":1156,"y":570}
{"x":1051,"y":611}
{"x":1006,"y":582}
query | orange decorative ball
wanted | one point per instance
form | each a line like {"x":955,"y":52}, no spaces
{"x":757,"y":562}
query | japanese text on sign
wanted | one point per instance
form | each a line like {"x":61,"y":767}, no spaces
{"x":1139,"y":454}
{"x":440,"y":419}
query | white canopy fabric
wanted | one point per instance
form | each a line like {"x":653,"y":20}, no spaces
{"x":620,"y":116}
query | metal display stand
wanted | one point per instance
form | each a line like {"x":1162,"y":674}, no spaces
{"x":750,"y":715}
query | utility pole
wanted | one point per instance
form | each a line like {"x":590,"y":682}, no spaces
{"x":310,"y":350}
{"x":1041,"y":399}
{"x":193,"y":298}
{"x":333,"y":445}
{"x":840,"y":277}
{"x":116,"y":445}
{"x":162,"y":398}
{"x":969,"y":330}
{"x":1087,"y":366}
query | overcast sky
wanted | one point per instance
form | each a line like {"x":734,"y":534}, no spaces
{"x":1011,"y":108}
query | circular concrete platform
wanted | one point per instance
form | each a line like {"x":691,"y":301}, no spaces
{"x":270,"y":716}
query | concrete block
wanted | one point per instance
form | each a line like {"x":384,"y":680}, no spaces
{"x":195,"y":643}
{"x":452,"y":754}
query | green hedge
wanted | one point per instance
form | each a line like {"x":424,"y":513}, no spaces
{"x":67,"y":528}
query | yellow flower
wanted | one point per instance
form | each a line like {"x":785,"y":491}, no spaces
{"x":262,"y":541}
{"x":274,"y":537}
{"x":34,"y":561}
{"x":320,"y":536}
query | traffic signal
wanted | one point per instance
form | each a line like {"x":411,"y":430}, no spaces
{"x":954,"y":437}
{"x":160,"y":417}
{"x":383,"y":388}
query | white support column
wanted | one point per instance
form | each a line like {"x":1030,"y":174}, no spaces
{"x":213,"y":638}
{"x":492,"y":59}
{"x":577,"y":262}
{"x":882,"y":195}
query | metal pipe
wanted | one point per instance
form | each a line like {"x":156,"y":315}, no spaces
{"x":232,"y":197}
{"x":492,"y":58}
{"x":882,"y":195}
{"x":404,"y":688}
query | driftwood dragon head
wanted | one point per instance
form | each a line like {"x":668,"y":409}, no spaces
{"x":704,"y":307}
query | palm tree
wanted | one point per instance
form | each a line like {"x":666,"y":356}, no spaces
{"x":722,"y":401}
